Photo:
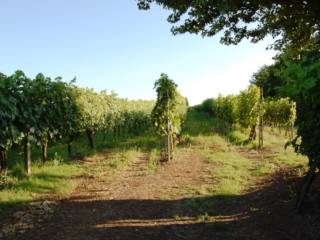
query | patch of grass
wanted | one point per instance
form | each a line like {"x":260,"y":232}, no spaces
{"x":57,"y":175}
{"x":238,"y":136}
{"x":290,"y":158}
{"x":213,"y":142}
{"x":152,"y":162}
{"x":195,"y":190}
{"x":203,"y":217}
{"x":54,"y":178}
{"x":145,"y":143}
{"x":201,"y":206}
{"x":198,"y":123}
{"x":263,"y":169}
{"x":231,"y":172}
{"x":272,"y":139}
{"x":119,"y":159}
{"x":224,"y":148}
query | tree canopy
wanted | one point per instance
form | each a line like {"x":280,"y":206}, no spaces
{"x":268,"y":77}
{"x":291,"y":23}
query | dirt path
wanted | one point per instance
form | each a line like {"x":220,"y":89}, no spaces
{"x":129,"y":204}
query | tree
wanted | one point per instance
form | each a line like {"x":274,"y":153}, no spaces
{"x":302,"y":77}
{"x":294,"y":23}
{"x":9,"y":133}
{"x":168,"y":111}
{"x":269,"y":79}
{"x":296,"y":27}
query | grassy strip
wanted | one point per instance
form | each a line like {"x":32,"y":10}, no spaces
{"x":152,"y":163}
{"x":53,"y":178}
{"x":58,"y":177}
{"x":234,"y":163}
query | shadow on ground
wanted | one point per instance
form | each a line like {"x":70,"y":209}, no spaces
{"x":265,"y":213}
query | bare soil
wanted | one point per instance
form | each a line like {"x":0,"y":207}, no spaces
{"x":129,"y":204}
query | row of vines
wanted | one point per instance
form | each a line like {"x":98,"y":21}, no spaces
{"x":42,"y":110}
{"x":243,"y":109}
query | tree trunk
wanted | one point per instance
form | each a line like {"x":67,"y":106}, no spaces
{"x":172,"y":143}
{"x":261,"y":119}
{"x":291,"y":131}
{"x":3,"y":161}
{"x":44,"y":151}
{"x":118,"y":131}
{"x":70,"y":146}
{"x":168,"y":148}
{"x":27,"y":157}
{"x":104,"y":136}
{"x":304,"y":189}
{"x":90,"y":138}
{"x":252,"y":135}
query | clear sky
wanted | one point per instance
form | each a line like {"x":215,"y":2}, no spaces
{"x":110,"y":44}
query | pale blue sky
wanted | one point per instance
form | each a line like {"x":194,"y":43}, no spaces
{"x":110,"y":44}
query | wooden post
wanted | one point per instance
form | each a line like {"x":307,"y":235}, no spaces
{"x":291,"y":131}
{"x":27,"y":156}
{"x":70,"y":146}
{"x":172,"y":143}
{"x":90,"y":138}
{"x":168,"y":146}
{"x":261,"y":118}
{"x":168,"y":140}
{"x":3,"y":161}
{"x":44,"y":151}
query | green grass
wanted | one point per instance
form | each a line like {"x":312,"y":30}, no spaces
{"x":214,"y":142}
{"x":290,"y":158}
{"x":58,"y":176}
{"x":201,"y":207}
{"x":198,"y":123}
{"x":231,"y":168}
{"x":152,"y":162}
{"x":117,"y":160}
{"x":52,"y":178}
{"x":231,"y":173}
{"x":264,"y":168}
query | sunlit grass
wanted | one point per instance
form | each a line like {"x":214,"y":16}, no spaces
{"x":231,"y":174}
{"x":117,"y":160}
{"x":59,"y":176}
{"x":152,"y":162}
{"x":234,"y":162}
{"x":52,"y":178}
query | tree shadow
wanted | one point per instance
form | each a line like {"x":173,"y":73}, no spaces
{"x":263,"y":213}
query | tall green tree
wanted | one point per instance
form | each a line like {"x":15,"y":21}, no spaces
{"x":293,"y":23}
{"x":269,"y":79}
{"x":302,"y":76}
{"x":168,"y":111}
{"x":295,"y":26}
{"x":9,"y":132}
